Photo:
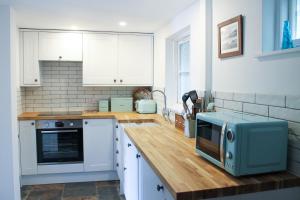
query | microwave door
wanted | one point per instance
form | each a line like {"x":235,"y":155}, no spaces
{"x":209,"y":137}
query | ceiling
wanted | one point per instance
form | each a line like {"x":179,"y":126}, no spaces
{"x":103,"y":15}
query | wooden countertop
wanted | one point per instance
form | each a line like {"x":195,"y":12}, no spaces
{"x":190,"y":177}
{"x":120,"y":117}
{"x":172,"y":156}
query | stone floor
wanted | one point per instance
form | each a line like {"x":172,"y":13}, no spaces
{"x":108,"y":190}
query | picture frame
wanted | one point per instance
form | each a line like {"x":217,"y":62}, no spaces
{"x":230,"y":37}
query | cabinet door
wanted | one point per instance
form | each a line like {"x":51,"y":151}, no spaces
{"x":30,"y":71}
{"x":98,"y":145}
{"x":135,"y":60}
{"x":131,"y":183}
{"x":28,"y":148}
{"x":60,"y":46}
{"x":149,"y":182}
{"x":100,"y":59}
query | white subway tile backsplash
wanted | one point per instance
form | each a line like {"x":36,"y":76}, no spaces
{"x":256,"y":109}
{"x":284,"y":113}
{"x":243,"y":97}
{"x":62,"y":90}
{"x":233,"y":105}
{"x":224,"y":95}
{"x":293,"y":102}
{"x":219,"y":103}
{"x":272,"y":100}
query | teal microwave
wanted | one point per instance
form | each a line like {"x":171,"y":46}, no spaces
{"x":242,"y":144}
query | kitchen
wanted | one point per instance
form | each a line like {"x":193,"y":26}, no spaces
{"x":72,"y":72}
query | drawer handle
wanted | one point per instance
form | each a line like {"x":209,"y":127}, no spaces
{"x":138,"y":156}
{"x":60,"y":57}
{"x":121,"y":80}
{"x":85,"y":123}
{"x":117,"y":139}
{"x":32,"y":124}
{"x":129,"y":145}
{"x":117,"y":164}
{"x":159,"y":188}
{"x":117,"y":152}
{"x":35,"y":80}
{"x":115,"y":80}
{"x":125,"y":168}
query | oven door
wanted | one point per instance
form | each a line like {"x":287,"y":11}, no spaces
{"x":59,"y":146}
{"x":210,"y":141}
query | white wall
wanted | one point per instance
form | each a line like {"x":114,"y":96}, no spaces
{"x":9,"y":159}
{"x":245,"y":73}
{"x":195,"y":17}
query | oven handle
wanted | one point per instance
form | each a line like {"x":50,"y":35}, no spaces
{"x":222,"y":141}
{"x":61,"y":131}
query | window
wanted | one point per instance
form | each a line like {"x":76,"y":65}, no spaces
{"x":183,"y":49}
{"x":178,"y":68}
{"x":298,"y":20}
{"x":275,"y":12}
{"x":297,"y":25}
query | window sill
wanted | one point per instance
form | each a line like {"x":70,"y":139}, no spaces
{"x":279,"y":53}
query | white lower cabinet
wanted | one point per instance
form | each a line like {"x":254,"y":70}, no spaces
{"x":98,"y":145}
{"x":119,"y":155}
{"x":140,"y":181}
{"x":28,"y":152}
{"x":131,"y":179}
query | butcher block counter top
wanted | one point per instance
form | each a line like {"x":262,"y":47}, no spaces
{"x":120,"y":117}
{"x":172,"y":156}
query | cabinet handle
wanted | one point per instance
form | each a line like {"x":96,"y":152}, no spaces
{"x":129,"y":145}
{"x":125,"y":168}
{"x":121,"y":80}
{"x":32,"y":124}
{"x":60,"y":57}
{"x":35,"y":80}
{"x":138,"y":156}
{"x":115,"y":80}
{"x":117,"y":139}
{"x":117,"y":164}
{"x":117,"y":126}
{"x":159,"y":187}
{"x":85,"y":123}
{"x":117,"y":152}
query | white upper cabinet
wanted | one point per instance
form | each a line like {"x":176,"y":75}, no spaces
{"x":100,"y":59}
{"x":111,"y":59}
{"x":60,"y":46}
{"x":29,"y":59}
{"x":98,"y":145}
{"x":136,"y":60}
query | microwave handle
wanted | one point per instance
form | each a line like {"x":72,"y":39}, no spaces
{"x":222,"y":143}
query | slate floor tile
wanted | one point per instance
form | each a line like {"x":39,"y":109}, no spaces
{"x":45,"y":195}
{"x":86,"y":189}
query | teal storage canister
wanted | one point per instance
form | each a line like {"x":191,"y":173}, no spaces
{"x":103,"y":106}
{"x":121,"y":104}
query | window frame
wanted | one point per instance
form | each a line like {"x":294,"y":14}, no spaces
{"x":179,"y":73}
{"x":296,"y":25}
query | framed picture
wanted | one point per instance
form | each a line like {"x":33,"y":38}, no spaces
{"x":231,"y":37}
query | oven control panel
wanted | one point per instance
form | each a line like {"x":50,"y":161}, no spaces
{"x":54,"y":124}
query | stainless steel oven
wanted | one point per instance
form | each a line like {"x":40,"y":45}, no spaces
{"x":59,"y":141}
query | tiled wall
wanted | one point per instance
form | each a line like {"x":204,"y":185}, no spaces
{"x":20,"y":100}
{"x":275,"y":106}
{"x":62,"y":90}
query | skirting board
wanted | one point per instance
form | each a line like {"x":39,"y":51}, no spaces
{"x":69,"y":177}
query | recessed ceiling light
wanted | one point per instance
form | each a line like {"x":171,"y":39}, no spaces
{"x":74,"y":27}
{"x":123,"y":23}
